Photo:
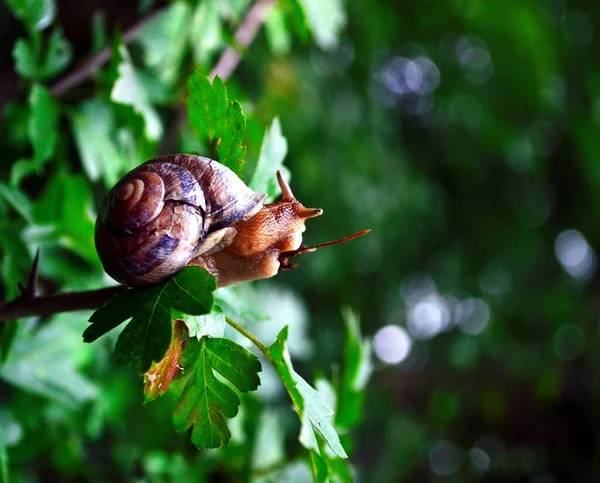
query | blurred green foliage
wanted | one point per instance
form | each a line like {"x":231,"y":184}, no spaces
{"x":464,"y":133}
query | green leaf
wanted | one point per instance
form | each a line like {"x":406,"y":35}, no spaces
{"x":42,"y":131}
{"x":43,"y":123}
{"x":36,"y":14}
{"x":205,"y":401}
{"x":18,"y":201}
{"x":212,"y":324}
{"x":173,"y":23}
{"x":117,"y":310}
{"x":219,"y":124}
{"x":326,"y":19}
{"x":94,"y":129}
{"x":356,"y":371}
{"x":128,"y":90}
{"x":26,"y":63}
{"x":58,"y":55}
{"x":206,"y":35}
{"x":277,"y":33}
{"x":32,"y":63}
{"x":314,"y":413}
{"x":146,"y":338}
{"x":272,"y":153}
{"x":3,"y":460}
{"x":46,"y":362}
{"x":232,"y":152}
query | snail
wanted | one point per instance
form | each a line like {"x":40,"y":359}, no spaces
{"x":184,"y":209}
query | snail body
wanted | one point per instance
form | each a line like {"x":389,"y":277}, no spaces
{"x":183,"y":209}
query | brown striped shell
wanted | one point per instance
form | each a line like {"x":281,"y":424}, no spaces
{"x":166,"y":212}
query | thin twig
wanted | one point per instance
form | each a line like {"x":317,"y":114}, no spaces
{"x":244,"y":36}
{"x":60,"y":302}
{"x":84,"y":71}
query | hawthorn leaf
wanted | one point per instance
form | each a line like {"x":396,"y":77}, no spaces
{"x":206,"y":105}
{"x":159,"y":376}
{"x":128,"y":90}
{"x":204,"y":402}
{"x":146,"y":338}
{"x":356,"y":371}
{"x":314,"y":412}
{"x":218,"y":123}
{"x":58,"y":55}
{"x":212,"y":324}
{"x":273,"y":151}
{"x":232,"y":152}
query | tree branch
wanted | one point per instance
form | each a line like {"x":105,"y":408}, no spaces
{"x":26,"y":305}
{"x":60,"y":302}
{"x":83,"y":72}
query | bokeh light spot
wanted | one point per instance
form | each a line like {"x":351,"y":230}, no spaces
{"x":392,"y":344}
{"x":575,"y":255}
{"x":445,"y":457}
{"x":428,"y":317}
{"x":480,"y":459}
{"x":472,"y":315}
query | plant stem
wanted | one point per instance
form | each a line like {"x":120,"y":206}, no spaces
{"x":225,"y":66}
{"x":83,"y":72}
{"x":53,"y":304}
{"x":248,"y":335}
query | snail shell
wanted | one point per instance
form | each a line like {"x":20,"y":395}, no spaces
{"x":168,"y":211}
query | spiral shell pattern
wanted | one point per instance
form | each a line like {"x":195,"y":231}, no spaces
{"x":158,"y":215}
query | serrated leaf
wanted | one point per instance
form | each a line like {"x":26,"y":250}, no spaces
{"x":232,"y":152}
{"x":212,"y":324}
{"x":356,"y":371}
{"x":218,"y":123}
{"x":326,"y":19}
{"x":58,"y":54}
{"x":205,"y":401}
{"x":146,"y":338}
{"x":36,"y":14}
{"x":272,"y":154}
{"x":314,"y":413}
{"x":159,"y":376}
{"x":128,"y":90}
{"x":115,"y":311}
